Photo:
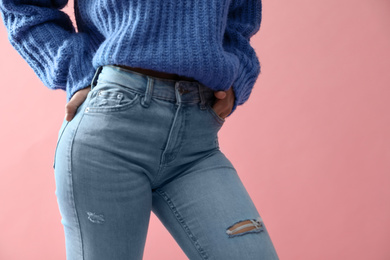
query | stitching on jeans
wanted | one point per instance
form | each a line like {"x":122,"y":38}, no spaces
{"x":70,"y":149}
{"x":219,"y":119}
{"x":58,"y":141}
{"x":179,"y":219}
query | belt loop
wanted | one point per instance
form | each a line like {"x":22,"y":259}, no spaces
{"x":202,"y":105}
{"x":145,"y":101}
{"x":177,"y":92}
{"x":95,"y":77}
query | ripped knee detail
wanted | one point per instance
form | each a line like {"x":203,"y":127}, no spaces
{"x":95,"y":218}
{"x":243,"y":227}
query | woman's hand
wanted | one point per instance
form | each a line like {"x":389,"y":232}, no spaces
{"x":224,"y":103}
{"x":76,"y":100}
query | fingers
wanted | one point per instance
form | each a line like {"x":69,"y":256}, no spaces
{"x":77,"y":99}
{"x":224,"y":103}
{"x":70,"y":110}
{"x":220,"y":94}
{"x":222,"y":107}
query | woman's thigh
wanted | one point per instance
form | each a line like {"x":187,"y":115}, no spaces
{"x":104,"y":197}
{"x":211,"y":215}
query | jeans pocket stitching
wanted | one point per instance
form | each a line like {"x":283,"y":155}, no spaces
{"x":94,"y":109}
{"x":219,"y":119}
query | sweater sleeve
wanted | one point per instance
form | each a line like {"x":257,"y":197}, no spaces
{"x":243,"y":22}
{"x":45,"y":37}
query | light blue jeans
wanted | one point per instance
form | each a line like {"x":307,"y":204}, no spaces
{"x":140,"y":143}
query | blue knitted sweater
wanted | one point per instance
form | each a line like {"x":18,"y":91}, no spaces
{"x":208,"y":40}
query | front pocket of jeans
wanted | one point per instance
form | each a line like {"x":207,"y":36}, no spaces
{"x":218,"y":119}
{"x":110,"y":99}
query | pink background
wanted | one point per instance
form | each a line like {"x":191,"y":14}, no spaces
{"x":311,"y":145}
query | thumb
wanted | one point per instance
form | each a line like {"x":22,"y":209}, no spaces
{"x":220,"y":94}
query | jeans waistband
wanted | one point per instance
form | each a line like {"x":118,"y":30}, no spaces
{"x":179,"y":91}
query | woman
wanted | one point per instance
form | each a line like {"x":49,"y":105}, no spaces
{"x":149,"y":84}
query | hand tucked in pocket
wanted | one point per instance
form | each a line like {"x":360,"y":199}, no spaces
{"x":77,"y":99}
{"x":224,"y":102}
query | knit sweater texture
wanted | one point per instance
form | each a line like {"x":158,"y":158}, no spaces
{"x":208,"y":40}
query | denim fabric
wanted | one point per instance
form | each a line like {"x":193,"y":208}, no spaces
{"x":139,"y":144}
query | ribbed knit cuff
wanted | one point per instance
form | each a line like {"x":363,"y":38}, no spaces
{"x":85,"y":82}
{"x":235,"y":103}
{"x":245,"y":81}
{"x":81,"y":70}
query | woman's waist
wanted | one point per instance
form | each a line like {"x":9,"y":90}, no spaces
{"x":114,"y":76}
{"x":154,"y":73}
